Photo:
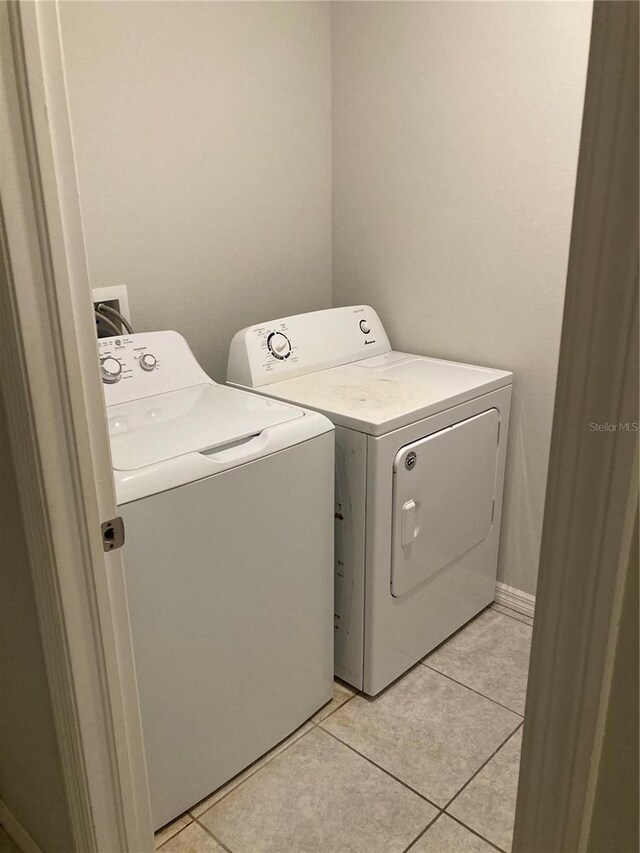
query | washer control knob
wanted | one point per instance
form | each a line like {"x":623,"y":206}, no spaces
{"x":365,"y":328}
{"x":111,"y":370}
{"x":279,"y":345}
{"x":147,"y":361}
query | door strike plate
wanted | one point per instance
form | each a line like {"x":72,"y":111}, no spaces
{"x":113,"y":534}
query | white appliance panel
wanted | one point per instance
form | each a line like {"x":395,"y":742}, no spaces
{"x":293,"y":346}
{"x":443,"y":496}
{"x":146,"y":363}
{"x":350,"y":507}
{"x":230,"y":616}
{"x":401,"y":631}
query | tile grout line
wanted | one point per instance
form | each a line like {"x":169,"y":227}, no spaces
{"x":517,"y":613}
{"x":195,"y":818}
{"x":379,"y":767}
{"x":473,"y":831}
{"x":251,"y":775}
{"x":177,"y":832}
{"x":477,"y":692}
{"x":331,"y":713}
{"x":318,"y":724}
{"x":519,"y":618}
{"x":448,"y":639}
{"x":420,"y":834}
{"x":482,"y":766}
{"x":215,"y":837}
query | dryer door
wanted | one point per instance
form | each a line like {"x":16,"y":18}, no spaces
{"x":443,"y":497}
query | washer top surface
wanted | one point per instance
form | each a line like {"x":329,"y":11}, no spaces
{"x":197,"y":419}
{"x":171,"y":424}
{"x":317,"y":360}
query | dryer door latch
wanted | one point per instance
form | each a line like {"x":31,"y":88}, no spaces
{"x":410,"y":526}
{"x":112,"y":534}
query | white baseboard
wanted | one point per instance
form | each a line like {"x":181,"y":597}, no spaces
{"x":16,"y":830}
{"x":514,"y":598}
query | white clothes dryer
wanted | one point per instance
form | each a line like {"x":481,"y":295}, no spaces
{"x":227,"y":501}
{"x":420,"y":459}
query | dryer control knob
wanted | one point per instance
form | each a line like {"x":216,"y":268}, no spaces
{"x":111,"y":369}
{"x":365,"y":327}
{"x":279,"y":345}
{"x":147,"y":361}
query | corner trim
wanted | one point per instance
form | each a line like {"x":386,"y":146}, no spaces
{"x":516,"y":599}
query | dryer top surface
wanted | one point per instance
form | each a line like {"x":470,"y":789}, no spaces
{"x":386,"y":392}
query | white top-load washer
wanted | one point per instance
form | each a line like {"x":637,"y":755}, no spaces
{"x":420,"y":457}
{"x":227,"y":501}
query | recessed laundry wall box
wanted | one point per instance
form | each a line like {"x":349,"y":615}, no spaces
{"x":420,"y":457}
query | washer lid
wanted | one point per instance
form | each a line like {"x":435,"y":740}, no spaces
{"x":389,"y":391}
{"x":196,"y":419}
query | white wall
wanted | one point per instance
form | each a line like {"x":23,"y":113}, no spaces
{"x":203,"y":144}
{"x":203,"y":139}
{"x":456,"y":133}
{"x":31,"y":780}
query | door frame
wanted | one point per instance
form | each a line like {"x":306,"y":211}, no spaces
{"x":59,"y":442}
{"x":591,"y":506}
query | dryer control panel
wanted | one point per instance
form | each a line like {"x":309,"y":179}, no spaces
{"x":146,"y":363}
{"x":305,"y":343}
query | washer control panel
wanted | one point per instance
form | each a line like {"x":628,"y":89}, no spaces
{"x":305,"y":343}
{"x":110,"y":369}
{"x":146,"y":363}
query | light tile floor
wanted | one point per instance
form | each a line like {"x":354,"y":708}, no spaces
{"x":428,"y":766}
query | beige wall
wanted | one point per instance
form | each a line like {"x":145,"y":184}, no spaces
{"x":203,"y":143}
{"x":31,"y":782}
{"x":456,"y":131}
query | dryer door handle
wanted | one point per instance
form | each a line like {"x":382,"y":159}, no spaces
{"x":410,"y":525}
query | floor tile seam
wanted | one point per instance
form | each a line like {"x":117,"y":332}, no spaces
{"x":383,"y":769}
{"x":458,"y":821}
{"x":521,"y":617}
{"x":474,"y":832}
{"x":194,"y":817}
{"x":213,"y":835}
{"x":522,"y":620}
{"x":473,"y":690}
{"x":422,"y":832}
{"x":439,"y":646}
{"x":482,"y":766}
{"x":331,"y":713}
{"x":253,"y":772}
{"x":190,"y":821}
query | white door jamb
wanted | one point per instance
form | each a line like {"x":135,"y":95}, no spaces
{"x":592,"y":491}
{"x":50,"y":382}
